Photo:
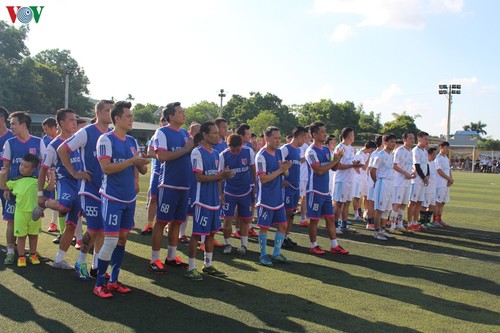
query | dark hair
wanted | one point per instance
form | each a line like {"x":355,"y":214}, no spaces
{"x":345,"y":132}
{"x":99,"y":106}
{"x":61,"y":115}
{"x":378,"y":140}
{"x":405,"y":135}
{"x":242,"y":128}
{"x":431,"y":150}
{"x":4,"y":113}
{"x":205,"y":127}
{"x":253,"y":135}
{"x":22,"y":118}
{"x":314,"y":127}
{"x":298,"y":131}
{"x":370,"y":144}
{"x":269,"y":131}
{"x":163,"y":120}
{"x":443,"y":144}
{"x":388,"y":137}
{"x":197,"y":138}
{"x":169,"y":110}
{"x":117,"y":109}
{"x":50,"y":122}
{"x":93,"y":120}
{"x":328,"y":139}
{"x":80,"y":120}
{"x":289,"y":137}
{"x":234,"y":140}
{"x":218,"y":121}
{"x":32,"y":159}
{"x":399,"y":142}
{"x":422,"y":134}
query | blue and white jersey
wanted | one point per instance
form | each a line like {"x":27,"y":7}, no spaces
{"x":176,"y":173}
{"x":384,"y":163}
{"x":270,"y":194}
{"x":345,"y":175}
{"x":292,"y":154}
{"x":51,"y":160}
{"x":14,"y":150}
{"x":419,"y":156}
{"x":7,"y":135}
{"x":85,"y":140}
{"x":118,"y":186}
{"x":47,"y":140}
{"x":241,"y":184}
{"x":318,"y":183}
{"x":206,"y":162}
{"x":221,"y":146}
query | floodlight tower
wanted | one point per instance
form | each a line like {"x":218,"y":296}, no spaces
{"x":221,"y":95}
{"x":449,"y":90}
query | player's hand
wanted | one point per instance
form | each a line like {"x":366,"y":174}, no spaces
{"x":285,"y":166}
{"x":221,"y":199}
{"x":409,"y":175}
{"x":139,"y":160}
{"x":6,"y":194}
{"x":41,"y":201}
{"x":286,"y":183}
{"x":189,"y":145}
{"x":82,"y":175}
{"x":426,"y":180}
{"x":227,"y":173}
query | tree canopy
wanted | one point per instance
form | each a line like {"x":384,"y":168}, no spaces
{"x":478,"y":127}
{"x":402,"y":123}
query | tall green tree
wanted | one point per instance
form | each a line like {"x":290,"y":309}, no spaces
{"x":61,"y":62}
{"x":402,"y":123}
{"x":201,"y":112}
{"x":478,"y":127}
{"x":262,"y":121}
{"x":335,"y":116}
{"x":12,"y":46}
{"x":145,"y":113}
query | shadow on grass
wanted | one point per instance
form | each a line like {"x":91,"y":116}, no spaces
{"x":20,"y":310}
{"x":275,"y":309}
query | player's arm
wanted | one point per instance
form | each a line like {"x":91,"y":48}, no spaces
{"x":3,"y":178}
{"x":397,"y":168}
{"x":276,"y":173}
{"x":373,"y":174}
{"x":110,"y":168}
{"x":163,"y":155}
{"x":64,"y":150}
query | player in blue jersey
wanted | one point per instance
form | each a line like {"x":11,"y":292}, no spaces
{"x":121,"y":161}
{"x":206,"y":221}
{"x":5,"y":134}
{"x":67,"y":202}
{"x":49,"y":126}
{"x":89,"y":178}
{"x":271,"y":167}
{"x":222,"y":126}
{"x":14,"y":150}
{"x":152,"y":205}
{"x":172,"y":146}
{"x":236,"y":192}
{"x":292,"y":152}
{"x":319,"y":200}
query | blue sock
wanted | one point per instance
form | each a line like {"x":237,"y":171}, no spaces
{"x":278,"y":241}
{"x":344,"y":224}
{"x":116,"y":262}
{"x":263,"y":244}
{"x":336,"y":224}
{"x":102,"y":267}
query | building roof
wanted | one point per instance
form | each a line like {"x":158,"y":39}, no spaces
{"x":466,"y":133}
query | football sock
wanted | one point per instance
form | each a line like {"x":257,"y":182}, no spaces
{"x":334,"y":243}
{"x":208,"y":258}
{"x":116,"y":262}
{"x":263,"y":244}
{"x":278,"y":241}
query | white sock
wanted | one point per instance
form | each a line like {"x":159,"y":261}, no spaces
{"x":182,"y":229}
{"x":334,"y":242}
{"x":244,"y":240}
{"x":78,"y":229}
{"x":172,"y":252}
{"x":302,"y":218}
{"x":82,"y":258}
{"x":227,"y":241}
{"x":95,"y":260}
{"x":314,"y":244}
{"x":202,"y":238}
{"x":155,"y":255}
{"x":59,"y":256}
{"x":192,"y":264}
{"x":10,"y":249}
{"x":208,"y":258}
{"x":55,"y":216}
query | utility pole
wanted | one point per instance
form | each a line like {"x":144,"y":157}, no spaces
{"x":221,"y":95}
{"x":66,"y":90}
{"x":449,"y":90}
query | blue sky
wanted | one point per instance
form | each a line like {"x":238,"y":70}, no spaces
{"x":389,"y":55}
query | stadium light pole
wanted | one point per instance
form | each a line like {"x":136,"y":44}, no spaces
{"x":222,"y":94}
{"x":449,"y":90}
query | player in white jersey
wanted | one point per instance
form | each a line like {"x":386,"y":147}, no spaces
{"x":344,"y":175}
{"x":369,"y":209}
{"x":361,"y":180}
{"x":444,"y":181}
{"x":382,"y":174}
{"x":403,"y":165}
{"x":421,"y":180}
{"x":303,"y":180}
{"x":429,"y":203}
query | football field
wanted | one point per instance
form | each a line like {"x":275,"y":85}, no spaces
{"x":444,"y":280}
